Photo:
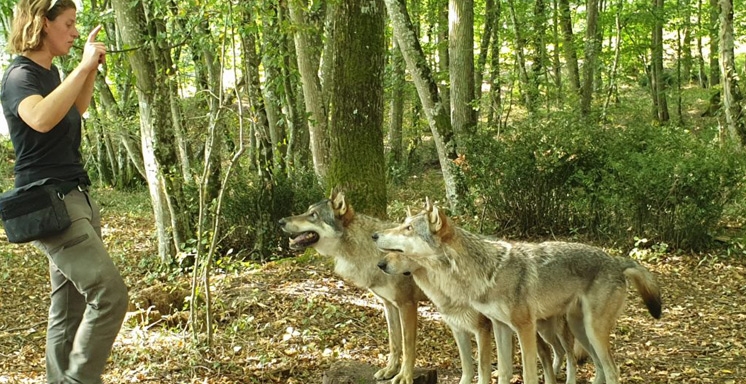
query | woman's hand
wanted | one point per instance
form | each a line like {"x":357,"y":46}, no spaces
{"x":94,"y":52}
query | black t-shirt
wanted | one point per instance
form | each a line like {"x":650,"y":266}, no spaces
{"x":55,"y":154}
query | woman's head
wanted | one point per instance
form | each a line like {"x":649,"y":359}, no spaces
{"x":35,"y":20}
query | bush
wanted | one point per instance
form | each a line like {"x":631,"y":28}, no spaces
{"x":564,"y":177}
{"x":250,"y":215}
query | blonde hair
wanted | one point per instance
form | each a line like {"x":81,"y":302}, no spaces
{"x":27,"y":30}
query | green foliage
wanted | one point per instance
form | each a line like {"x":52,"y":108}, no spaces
{"x":561,"y":176}
{"x":246,"y":201}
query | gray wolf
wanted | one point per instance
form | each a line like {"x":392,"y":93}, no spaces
{"x":460,"y":317}
{"x":520,"y":283}
{"x":334,"y":229}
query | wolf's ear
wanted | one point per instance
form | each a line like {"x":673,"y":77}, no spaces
{"x":334,"y":192}
{"x":436,"y":223}
{"x":428,"y":206}
{"x":339,"y":204}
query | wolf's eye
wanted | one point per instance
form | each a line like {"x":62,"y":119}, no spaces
{"x":408,"y":228}
{"x":314,"y":215}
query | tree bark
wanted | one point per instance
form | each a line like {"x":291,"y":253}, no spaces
{"x":591,"y":55}
{"x":732,"y":97}
{"x":356,"y":126}
{"x":568,"y":45}
{"x":520,"y":49}
{"x":396,"y":108}
{"x":617,"y":54}
{"x":657,"y":83}
{"x":151,"y":69}
{"x":461,"y":66}
{"x":714,"y":40}
{"x":308,"y":66}
{"x":484,"y":46}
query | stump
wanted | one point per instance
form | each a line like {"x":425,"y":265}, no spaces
{"x":353,"y":372}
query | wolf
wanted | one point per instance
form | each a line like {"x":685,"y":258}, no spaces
{"x":458,"y":314}
{"x":334,"y":229}
{"x":519,"y":284}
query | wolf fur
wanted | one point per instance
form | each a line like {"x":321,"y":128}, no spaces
{"x":457,"y":313}
{"x":334,"y":229}
{"x":520,"y":283}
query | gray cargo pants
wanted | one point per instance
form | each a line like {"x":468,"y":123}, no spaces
{"x":88,"y":300}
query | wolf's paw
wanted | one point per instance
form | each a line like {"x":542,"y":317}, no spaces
{"x":403,"y":378}
{"x":387,"y":373}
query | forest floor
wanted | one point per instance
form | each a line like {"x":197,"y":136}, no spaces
{"x":287,"y":321}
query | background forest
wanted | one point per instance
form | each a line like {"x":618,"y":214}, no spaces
{"x":614,"y":122}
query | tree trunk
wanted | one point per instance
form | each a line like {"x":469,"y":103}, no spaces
{"x":538,"y":40}
{"x":714,"y":40}
{"x":443,"y":58}
{"x":702,"y":72}
{"x":356,"y":125}
{"x":735,"y":122}
{"x":495,"y":98}
{"x":591,"y":55}
{"x":262,"y":136}
{"x":568,"y":45}
{"x":308,"y":66}
{"x":617,"y":54}
{"x":461,"y":66}
{"x":427,"y":90}
{"x":686,"y":47}
{"x":484,"y":46}
{"x":151,"y":70}
{"x":396,"y":108}
{"x":556,"y":60}
{"x":657,"y":84}
{"x":273,"y":50}
{"x":520,"y":52}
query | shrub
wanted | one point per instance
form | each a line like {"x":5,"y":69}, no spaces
{"x":561,"y":176}
{"x":250,"y":215}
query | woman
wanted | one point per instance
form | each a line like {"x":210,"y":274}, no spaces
{"x":88,"y":295}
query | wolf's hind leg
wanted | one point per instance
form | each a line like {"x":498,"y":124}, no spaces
{"x":504,"y":342}
{"x":545,"y":356}
{"x":575,"y":323}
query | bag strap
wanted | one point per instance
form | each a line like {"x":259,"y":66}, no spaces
{"x":65,"y":187}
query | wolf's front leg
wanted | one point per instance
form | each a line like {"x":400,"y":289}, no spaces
{"x":408,"y":322}
{"x":395,"y":342}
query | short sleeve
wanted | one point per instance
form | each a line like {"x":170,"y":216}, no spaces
{"x":19,"y":83}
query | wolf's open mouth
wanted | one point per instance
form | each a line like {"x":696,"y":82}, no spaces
{"x":303,"y":240}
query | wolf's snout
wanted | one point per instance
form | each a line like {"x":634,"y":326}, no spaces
{"x":375,"y":237}
{"x":382,"y":264}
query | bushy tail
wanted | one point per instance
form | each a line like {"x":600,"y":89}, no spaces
{"x":645,"y":284}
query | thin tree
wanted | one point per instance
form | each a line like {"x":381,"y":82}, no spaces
{"x":658,"y":85}
{"x":591,"y":56}
{"x":427,"y":89}
{"x":732,"y":98}
{"x":150,"y":62}
{"x":308,"y":66}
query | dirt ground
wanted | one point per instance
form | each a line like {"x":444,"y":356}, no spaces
{"x":287,"y":321}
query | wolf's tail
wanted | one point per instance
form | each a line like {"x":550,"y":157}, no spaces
{"x":646,"y":285}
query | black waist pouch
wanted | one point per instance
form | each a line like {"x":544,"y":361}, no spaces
{"x":35,"y":211}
